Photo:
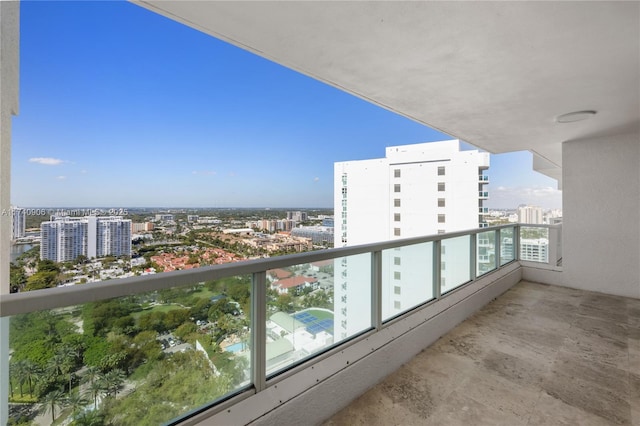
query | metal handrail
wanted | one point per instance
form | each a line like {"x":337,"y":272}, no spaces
{"x":58,"y":297}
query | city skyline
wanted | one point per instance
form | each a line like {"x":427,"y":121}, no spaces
{"x":160,"y":115}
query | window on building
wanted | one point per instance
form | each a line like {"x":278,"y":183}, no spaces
{"x":440,"y":170}
{"x":441,"y":231}
{"x":396,"y":232}
{"x":396,"y":260}
{"x":396,"y":173}
{"x":396,"y":289}
{"x":443,"y":282}
{"x":443,"y":265}
{"x":440,"y":186}
{"x":396,"y":202}
{"x":440,"y":218}
{"x":443,"y":249}
{"x":396,"y":275}
{"x":441,"y":202}
{"x":396,"y":187}
{"x":396,"y":217}
{"x":396,"y":304}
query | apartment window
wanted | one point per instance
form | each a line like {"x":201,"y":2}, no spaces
{"x":396,"y":202}
{"x":443,"y":249}
{"x":443,"y":265}
{"x":396,"y":289}
{"x":396,"y":217}
{"x":396,"y":232}
{"x":396,"y":173}
{"x":441,"y":202}
{"x":396,"y":275}
{"x":441,"y":231}
{"x":440,"y":218}
{"x":396,"y":187}
{"x":440,"y":170}
{"x":396,"y":260}
{"x":443,"y":282}
{"x":440,"y":186}
{"x":396,"y":305}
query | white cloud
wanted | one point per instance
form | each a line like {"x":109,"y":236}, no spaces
{"x":61,"y":177}
{"x":48,"y":161}
{"x":316,"y":179}
{"x":512,"y":197}
{"x":204,"y":172}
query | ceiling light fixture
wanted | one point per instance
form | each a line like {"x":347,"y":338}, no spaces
{"x":575,"y":116}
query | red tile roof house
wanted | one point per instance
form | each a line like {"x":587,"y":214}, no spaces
{"x":283,"y":286}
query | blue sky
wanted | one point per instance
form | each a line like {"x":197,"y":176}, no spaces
{"x":121,"y":107}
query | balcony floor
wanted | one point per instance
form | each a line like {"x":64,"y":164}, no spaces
{"x":538,"y":355}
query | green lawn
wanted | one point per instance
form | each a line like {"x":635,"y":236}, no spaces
{"x":320,"y":314}
{"x":159,"y":308}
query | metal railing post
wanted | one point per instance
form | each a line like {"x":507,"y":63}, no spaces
{"x":259,"y":330}
{"x":472,"y":256}
{"x":516,"y":242}
{"x":437,"y":271}
{"x":496,"y":248}
{"x":376,"y":289}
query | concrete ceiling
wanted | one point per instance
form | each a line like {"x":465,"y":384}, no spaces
{"x":495,"y":74}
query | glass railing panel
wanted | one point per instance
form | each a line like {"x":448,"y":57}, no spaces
{"x":455,"y":262}
{"x":507,"y":252}
{"x":312,"y":306}
{"x":534,"y":244}
{"x":143,"y":359}
{"x":407,"y":278}
{"x":485,"y":252}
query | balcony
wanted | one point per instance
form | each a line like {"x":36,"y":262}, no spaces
{"x":483,"y":195}
{"x":276,"y":356}
{"x":538,"y":354}
{"x":483,"y":210}
{"x":483,"y":179}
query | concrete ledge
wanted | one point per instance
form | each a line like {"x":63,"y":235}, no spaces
{"x":540,"y":273}
{"x":318,"y":389}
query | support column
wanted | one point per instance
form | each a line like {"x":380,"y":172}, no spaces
{"x":9,"y":73}
{"x":601,"y":209}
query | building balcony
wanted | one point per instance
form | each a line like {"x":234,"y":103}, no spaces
{"x":483,"y":210}
{"x":483,"y":195}
{"x":538,"y":354}
{"x":483,"y":179}
{"x":275,"y":357}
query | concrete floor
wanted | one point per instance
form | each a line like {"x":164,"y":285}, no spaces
{"x":538,"y":355}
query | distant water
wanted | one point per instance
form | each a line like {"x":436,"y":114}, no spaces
{"x":17,"y":250}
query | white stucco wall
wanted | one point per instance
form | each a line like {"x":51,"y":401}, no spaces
{"x":9,"y":42}
{"x":601,"y":203}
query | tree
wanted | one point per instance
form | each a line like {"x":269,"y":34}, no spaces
{"x":55,"y":398}
{"x":76,"y":401}
{"x":31,"y":373}
{"x":89,"y":418}
{"x":284,"y":303}
{"x":113,"y":381}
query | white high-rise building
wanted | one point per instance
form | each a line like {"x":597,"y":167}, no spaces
{"x":18,"y":223}
{"x":415,"y":190}
{"x":65,"y":238}
{"x":530,"y":214}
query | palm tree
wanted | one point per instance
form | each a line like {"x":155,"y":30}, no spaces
{"x":89,"y":418}
{"x":76,"y":401}
{"x":96,"y":387}
{"x":55,"y":398}
{"x":113,"y":381}
{"x":31,"y":373}
{"x":68,"y":356}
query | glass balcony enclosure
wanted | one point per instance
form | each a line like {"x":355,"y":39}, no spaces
{"x":161,"y":348}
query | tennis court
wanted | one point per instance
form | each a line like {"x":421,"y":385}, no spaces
{"x":313,"y":324}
